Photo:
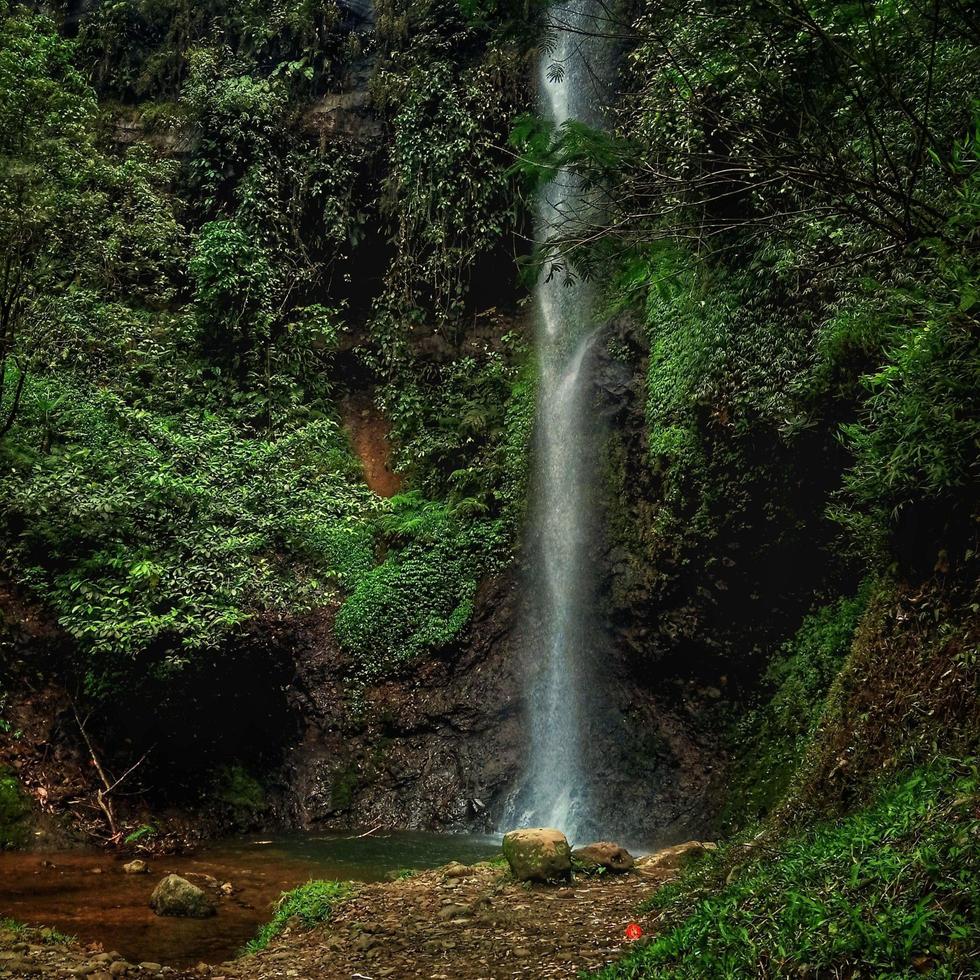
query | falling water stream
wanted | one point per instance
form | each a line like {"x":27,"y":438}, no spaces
{"x":555,"y":788}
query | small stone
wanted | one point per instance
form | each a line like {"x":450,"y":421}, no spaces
{"x":102,"y":958}
{"x":455,"y":870}
{"x":452,"y":911}
{"x":151,"y":967}
{"x":119,"y":968}
{"x":227,"y":888}
{"x":364,"y":942}
{"x":136,"y":867}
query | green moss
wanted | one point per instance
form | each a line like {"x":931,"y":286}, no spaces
{"x":241,"y":791}
{"x":309,"y":904}
{"x":769,"y":742}
{"x":15,"y":811}
{"x":343,"y":786}
{"x":889,"y":892}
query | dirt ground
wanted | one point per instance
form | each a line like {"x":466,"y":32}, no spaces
{"x":462,"y":924}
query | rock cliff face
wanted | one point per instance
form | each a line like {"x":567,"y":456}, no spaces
{"x":444,"y":746}
{"x":436,"y":748}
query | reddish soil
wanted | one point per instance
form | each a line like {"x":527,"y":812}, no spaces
{"x":369,"y":433}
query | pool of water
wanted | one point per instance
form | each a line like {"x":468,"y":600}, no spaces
{"x":88,"y":896}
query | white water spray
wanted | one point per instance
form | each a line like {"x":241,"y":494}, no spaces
{"x":555,"y":791}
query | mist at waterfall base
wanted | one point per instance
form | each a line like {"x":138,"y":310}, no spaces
{"x":559,"y":643}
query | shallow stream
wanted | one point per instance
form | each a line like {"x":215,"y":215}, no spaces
{"x":87,"y":895}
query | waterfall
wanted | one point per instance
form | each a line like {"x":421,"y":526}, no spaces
{"x":555,"y":788}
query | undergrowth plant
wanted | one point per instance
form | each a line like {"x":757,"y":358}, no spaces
{"x":888,"y":892}
{"x":309,"y":905}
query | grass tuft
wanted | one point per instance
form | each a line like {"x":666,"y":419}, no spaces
{"x":312,"y":904}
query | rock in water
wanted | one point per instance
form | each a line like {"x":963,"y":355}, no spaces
{"x":538,"y":854}
{"x":603,"y":854}
{"x":177,"y":896}
{"x":136,"y":867}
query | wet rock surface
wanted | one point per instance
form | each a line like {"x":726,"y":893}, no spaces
{"x":674,"y":858}
{"x":443,"y":746}
{"x":451,"y":731}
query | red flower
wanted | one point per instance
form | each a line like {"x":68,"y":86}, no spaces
{"x":633,"y":932}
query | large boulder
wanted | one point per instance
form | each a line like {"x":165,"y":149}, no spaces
{"x":538,"y":854}
{"x":177,"y":896}
{"x":674,"y":858}
{"x":603,"y":854}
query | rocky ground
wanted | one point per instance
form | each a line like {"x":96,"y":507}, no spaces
{"x":461,"y":924}
{"x":43,"y":953}
{"x":455,"y":923}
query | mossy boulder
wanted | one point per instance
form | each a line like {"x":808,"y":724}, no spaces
{"x":15,"y":812}
{"x":674,"y":858}
{"x":538,"y":854}
{"x":178,"y":897}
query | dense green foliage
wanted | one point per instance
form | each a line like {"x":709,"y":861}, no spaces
{"x":174,"y":460}
{"x":220,"y":221}
{"x":825,"y":286}
{"x":309,"y":904}
{"x":888,"y":892}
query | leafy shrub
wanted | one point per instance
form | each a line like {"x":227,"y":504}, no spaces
{"x":311,"y":904}
{"x":14,"y":811}
{"x":421,"y":597}
{"x":448,"y":185}
{"x":153,"y":536}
